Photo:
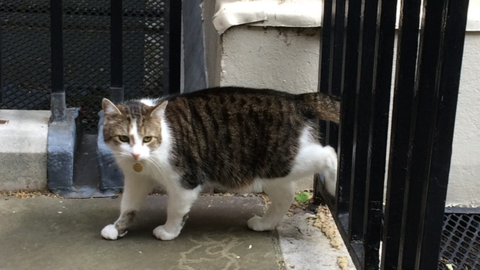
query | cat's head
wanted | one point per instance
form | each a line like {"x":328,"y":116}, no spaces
{"x":132,"y":130}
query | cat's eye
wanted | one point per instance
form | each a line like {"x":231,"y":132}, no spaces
{"x":123,"y":138}
{"x":147,"y":139}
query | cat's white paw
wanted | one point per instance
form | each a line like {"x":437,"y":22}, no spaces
{"x":258,"y":224}
{"x":109,"y":232}
{"x":162,"y":234}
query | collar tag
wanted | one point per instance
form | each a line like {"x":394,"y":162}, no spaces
{"x":137,"y":167}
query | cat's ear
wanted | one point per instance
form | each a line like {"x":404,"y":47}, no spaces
{"x":159,"y":109}
{"x":109,"y":108}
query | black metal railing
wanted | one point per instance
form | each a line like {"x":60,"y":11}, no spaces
{"x":402,"y":228}
{"x":116,"y":58}
{"x":58,"y":91}
{"x":99,"y":48}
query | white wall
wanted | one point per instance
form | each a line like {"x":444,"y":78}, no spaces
{"x":464,"y":186}
{"x":280,"y":58}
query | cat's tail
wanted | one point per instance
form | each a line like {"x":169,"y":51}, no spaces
{"x":323,"y":107}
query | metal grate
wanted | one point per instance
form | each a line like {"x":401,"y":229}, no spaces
{"x":87,"y":53}
{"x":143,"y":48}
{"x":25,"y":29}
{"x":460,"y":241}
{"x":86,"y":56}
{"x":25,"y":54}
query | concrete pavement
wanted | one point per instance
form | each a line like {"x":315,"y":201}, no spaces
{"x":53,"y":233}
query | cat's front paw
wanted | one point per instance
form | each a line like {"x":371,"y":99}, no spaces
{"x":258,"y":224}
{"x":161,"y":233}
{"x":111,"y":233}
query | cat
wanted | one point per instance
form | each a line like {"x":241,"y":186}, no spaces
{"x":241,"y":139}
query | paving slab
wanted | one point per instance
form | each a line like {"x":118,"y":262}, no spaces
{"x":50,"y":233}
{"x":305,"y":247}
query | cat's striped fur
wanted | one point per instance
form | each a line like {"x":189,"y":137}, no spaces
{"x":231,"y":137}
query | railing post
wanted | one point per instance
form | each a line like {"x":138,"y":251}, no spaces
{"x":424,"y":118}
{"x":331,"y":72}
{"x":422,"y":131}
{"x":436,"y":191}
{"x":111,"y":180}
{"x":339,"y":74}
{"x":173,"y":41}
{"x":62,"y":130}
{"x":378,"y":132}
{"x":401,"y":130}
{"x":333,"y":50}
{"x":442,"y":40}
{"x":58,"y":105}
{"x":324,"y":83}
{"x":332,"y":65}
{"x":364,"y":85}
{"x":116,"y":31}
{"x":346,"y":131}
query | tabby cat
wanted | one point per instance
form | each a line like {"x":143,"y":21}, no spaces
{"x":239,"y":139}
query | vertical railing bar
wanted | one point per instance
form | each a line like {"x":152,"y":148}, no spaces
{"x":348,"y":105}
{"x":446,"y":99}
{"x":362,"y":116}
{"x":58,"y":105}
{"x":431,"y":40}
{"x":324,"y":73}
{"x":173,"y":41}
{"x":338,"y":19}
{"x":331,"y":50}
{"x":338,"y":59}
{"x":335,"y":63}
{"x":323,"y":84}
{"x":116,"y":32}
{"x":328,"y":36}
{"x":337,"y":51}
{"x":378,"y":131}
{"x":401,"y":131}
{"x":348,"y":80}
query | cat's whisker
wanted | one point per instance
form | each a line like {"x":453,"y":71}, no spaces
{"x":121,"y":155}
{"x":157,"y":166}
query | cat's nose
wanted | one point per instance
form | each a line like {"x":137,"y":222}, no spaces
{"x":135,"y":156}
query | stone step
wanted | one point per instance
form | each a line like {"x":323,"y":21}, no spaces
{"x":23,"y":149}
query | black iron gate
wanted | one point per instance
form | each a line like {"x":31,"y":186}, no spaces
{"x":357,"y":59}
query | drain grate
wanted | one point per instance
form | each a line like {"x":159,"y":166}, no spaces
{"x":460,"y":241}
